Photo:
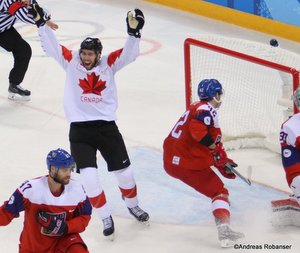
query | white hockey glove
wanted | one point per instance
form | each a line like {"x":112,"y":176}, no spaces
{"x":295,"y":186}
{"x":296,"y":97}
{"x":135,"y":23}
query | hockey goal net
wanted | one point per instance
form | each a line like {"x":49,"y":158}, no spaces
{"x":258,"y":81}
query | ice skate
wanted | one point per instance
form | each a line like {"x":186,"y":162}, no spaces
{"x":109,"y":228}
{"x":18,"y":93}
{"x":140,"y":215}
{"x":227,"y":236}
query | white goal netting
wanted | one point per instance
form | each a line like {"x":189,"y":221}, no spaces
{"x":257,"y":98}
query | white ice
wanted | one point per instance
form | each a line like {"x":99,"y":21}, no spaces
{"x":151,"y":98}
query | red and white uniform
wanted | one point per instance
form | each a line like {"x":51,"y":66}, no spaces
{"x":33,"y":196}
{"x":89,"y":94}
{"x":182,"y":147}
{"x":189,"y":161}
{"x":290,"y":147}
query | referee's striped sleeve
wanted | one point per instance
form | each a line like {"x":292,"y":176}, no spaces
{"x":21,"y":14}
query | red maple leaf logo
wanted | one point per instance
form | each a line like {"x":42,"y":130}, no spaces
{"x":92,"y":84}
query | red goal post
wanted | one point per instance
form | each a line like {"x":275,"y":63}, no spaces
{"x":249,"y":71}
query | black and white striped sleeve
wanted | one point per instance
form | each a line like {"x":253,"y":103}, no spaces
{"x":21,"y":14}
{"x":18,"y":10}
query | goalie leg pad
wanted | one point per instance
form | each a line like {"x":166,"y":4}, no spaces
{"x":286,"y":212}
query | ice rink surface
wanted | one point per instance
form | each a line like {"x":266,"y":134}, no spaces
{"x":151,"y":98}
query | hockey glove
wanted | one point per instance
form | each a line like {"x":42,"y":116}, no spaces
{"x":52,"y":224}
{"x":38,"y":14}
{"x":221,"y":160}
{"x":226,"y":171}
{"x":219,"y":155}
{"x":135,"y":23}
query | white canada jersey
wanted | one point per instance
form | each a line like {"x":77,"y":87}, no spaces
{"x":290,"y":131}
{"x":89,"y":94}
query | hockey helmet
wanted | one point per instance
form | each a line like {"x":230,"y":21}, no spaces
{"x":91,"y":44}
{"x":296,"y":97}
{"x":208,"y":89}
{"x":60,"y":158}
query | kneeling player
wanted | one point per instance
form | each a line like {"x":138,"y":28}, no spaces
{"x":56,"y":209}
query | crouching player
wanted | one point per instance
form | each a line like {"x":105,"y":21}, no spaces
{"x":194,"y":146}
{"x":287,"y":211}
{"x":56,"y":209}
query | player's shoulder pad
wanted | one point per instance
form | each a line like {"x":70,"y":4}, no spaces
{"x":204,"y":116}
{"x":28,"y":187}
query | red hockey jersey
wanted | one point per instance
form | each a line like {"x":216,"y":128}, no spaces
{"x":34,"y":195}
{"x":182,"y":147}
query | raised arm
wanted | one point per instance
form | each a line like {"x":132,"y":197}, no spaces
{"x":120,"y":58}
{"x":19,"y":10}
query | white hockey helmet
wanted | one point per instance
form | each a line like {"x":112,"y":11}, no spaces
{"x":296,"y":97}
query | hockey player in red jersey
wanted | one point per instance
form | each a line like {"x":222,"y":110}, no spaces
{"x":56,"y":209}
{"x":287,"y":210}
{"x":194,"y":146}
{"x":90,"y":103}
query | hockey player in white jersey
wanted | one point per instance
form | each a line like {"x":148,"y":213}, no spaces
{"x":90,"y":103}
{"x":290,"y":154}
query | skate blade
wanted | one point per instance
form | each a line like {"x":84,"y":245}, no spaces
{"x":146,"y":223}
{"x":17,"y":97}
{"x":227,"y":243}
{"x":110,"y":237}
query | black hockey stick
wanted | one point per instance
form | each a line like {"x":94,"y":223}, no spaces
{"x":233,"y":170}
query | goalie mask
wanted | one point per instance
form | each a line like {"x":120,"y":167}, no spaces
{"x":208,"y":89}
{"x":60,"y":158}
{"x":296,"y":97}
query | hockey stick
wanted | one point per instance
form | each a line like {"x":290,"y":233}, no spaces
{"x":233,"y":170}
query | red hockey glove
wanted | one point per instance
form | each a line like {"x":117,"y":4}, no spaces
{"x":221,"y":159}
{"x":225,"y":170}
{"x":219,"y":155}
{"x":53,"y":224}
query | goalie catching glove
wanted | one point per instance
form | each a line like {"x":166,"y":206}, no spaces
{"x":222,"y":162}
{"x":52,"y":224}
{"x":135,"y":23}
{"x":37,"y":13}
